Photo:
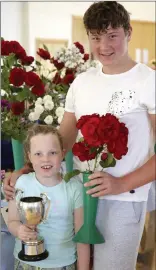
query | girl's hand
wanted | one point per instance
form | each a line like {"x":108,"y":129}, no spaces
{"x":27,"y":233}
{"x":105,"y":184}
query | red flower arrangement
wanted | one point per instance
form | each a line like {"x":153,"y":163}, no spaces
{"x":104,"y":140}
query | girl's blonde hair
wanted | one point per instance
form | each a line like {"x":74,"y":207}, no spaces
{"x":36,"y":129}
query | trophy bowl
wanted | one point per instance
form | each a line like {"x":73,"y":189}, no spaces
{"x":32,"y":211}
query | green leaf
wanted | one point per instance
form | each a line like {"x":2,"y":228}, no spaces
{"x":81,"y":139}
{"x":11,"y":60}
{"x":45,"y":47}
{"x":37,"y":63}
{"x":92,"y":150}
{"x":109,"y":162}
{"x":69,"y":175}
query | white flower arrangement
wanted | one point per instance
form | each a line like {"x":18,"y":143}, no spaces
{"x":46,"y":111}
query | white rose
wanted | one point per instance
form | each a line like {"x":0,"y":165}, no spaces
{"x":48,"y":120}
{"x":49,"y":105}
{"x":39,"y":109}
{"x":3,"y":93}
{"x":47,"y":97}
{"x":59,"y":120}
{"x":59,"y":111}
{"x":38,"y":101}
{"x":33,"y":116}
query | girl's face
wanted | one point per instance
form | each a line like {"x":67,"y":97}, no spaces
{"x":46,"y":155}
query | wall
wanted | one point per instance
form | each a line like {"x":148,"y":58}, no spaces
{"x":54,"y":19}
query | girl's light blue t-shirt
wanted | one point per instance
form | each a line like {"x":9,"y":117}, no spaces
{"x":58,"y":230}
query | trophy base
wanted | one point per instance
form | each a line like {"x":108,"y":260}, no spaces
{"x":32,"y":258}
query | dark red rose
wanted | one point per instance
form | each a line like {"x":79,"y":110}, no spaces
{"x":43,"y":54}
{"x":119,"y":146}
{"x":69,"y":71}
{"x":57,"y":79}
{"x":58,"y":65}
{"x":108,"y":128}
{"x":79,"y":46}
{"x":104,"y":156}
{"x":32,"y":78}
{"x":89,"y":131}
{"x":17,"y":76}
{"x":83,"y":152}
{"x":27,"y":60}
{"x":83,"y":119}
{"x":86,"y":57}
{"x":17,"y":107}
{"x":4,"y":48}
{"x":38,"y":90}
{"x":68,"y":79}
{"x":17,"y":49}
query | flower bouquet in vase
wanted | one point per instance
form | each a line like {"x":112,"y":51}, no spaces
{"x":103,"y":142}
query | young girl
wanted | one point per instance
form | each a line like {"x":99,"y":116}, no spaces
{"x":44,"y":149}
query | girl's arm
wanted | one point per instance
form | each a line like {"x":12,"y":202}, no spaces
{"x":13,"y":218}
{"x":83,"y":250}
{"x":23,"y":232}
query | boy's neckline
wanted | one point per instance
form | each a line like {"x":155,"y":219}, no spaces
{"x":119,"y":74}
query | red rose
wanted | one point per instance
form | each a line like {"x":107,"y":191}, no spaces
{"x":68,"y":79}
{"x":43,"y":54}
{"x":58,"y":65}
{"x":104,"y":156}
{"x":89,"y":131}
{"x":17,"y":76}
{"x":83,"y":119}
{"x":82,"y":152}
{"x":119,"y":146}
{"x":17,"y":49}
{"x":79,"y":46}
{"x":38,"y":89}
{"x":69,"y":71}
{"x":32,"y":78}
{"x":17,"y":107}
{"x":108,"y":128}
{"x":86,"y":57}
{"x":4,"y":47}
{"x":27,"y":60}
{"x":57,"y":79}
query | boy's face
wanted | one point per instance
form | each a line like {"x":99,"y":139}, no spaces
{"x":110,"y":47}
{"x":45,"y":155}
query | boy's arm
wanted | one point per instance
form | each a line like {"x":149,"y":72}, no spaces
{"x":83,"y":250}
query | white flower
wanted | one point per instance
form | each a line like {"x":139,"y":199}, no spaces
{"x":3,"y":93}
{"x":39,"y":109}
{"x":33,"y":116}
{"x":59,"y":120}
{"x":38,"y":101}
{"x":49,"y":105}
{"x":47,"y":97}
{"x":59,"y":111}
{"x":48,"y":120}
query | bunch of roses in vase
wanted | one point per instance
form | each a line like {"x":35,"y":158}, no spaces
{"x":104,"y":141}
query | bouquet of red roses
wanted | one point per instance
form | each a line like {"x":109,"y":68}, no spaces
{"x":104,"y":140}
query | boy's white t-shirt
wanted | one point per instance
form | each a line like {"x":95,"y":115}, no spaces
{"x":58,"y":229}
{"x":131,"y":97}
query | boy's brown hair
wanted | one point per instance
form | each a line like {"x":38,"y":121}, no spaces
{"x":36,"y":129}
{"x":101,"y":15}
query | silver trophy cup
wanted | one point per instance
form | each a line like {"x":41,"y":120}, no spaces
{"x":32,"y":211}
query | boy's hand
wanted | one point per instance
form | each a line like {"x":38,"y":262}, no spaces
{"x":27,"y":233}
{"x":9,"y":183}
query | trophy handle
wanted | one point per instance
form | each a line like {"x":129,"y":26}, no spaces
{"x":18,"y":195}
{"x":45,"y":200}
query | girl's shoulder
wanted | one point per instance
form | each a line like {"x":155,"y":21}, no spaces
{"x":24,"y":180}
{"x":75,"y":184}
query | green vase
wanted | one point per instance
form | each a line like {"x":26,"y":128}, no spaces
{"x":89,"y":234}
{"x":18,"y":154}
{"x":69,"y":161}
